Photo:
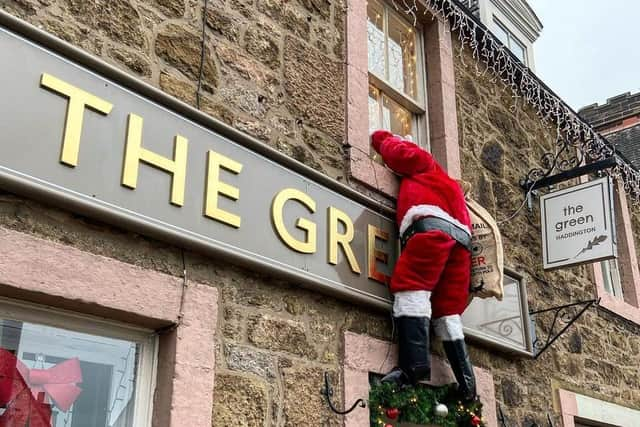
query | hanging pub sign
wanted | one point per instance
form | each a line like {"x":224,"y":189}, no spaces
{"x":578,"y":225}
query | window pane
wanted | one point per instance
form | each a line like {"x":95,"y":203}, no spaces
{"x":501,"y":321}
{"x":395,"y":119}
{"x":374,"y":109}
{"x":518,"y":49}
{"x":375,"y":34}
{"x":402,"y":57}
{"x":66,"y":378}
{"x":501,"y":33}
{"x":511,"y":41}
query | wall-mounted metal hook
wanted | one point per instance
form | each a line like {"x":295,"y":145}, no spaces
{"x":327,"y":392}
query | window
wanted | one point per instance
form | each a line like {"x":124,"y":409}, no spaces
{"x":70,"y":371}
{"x":582,"y":411}
{"x":396,"y":74}
{"x":503,"y":323}
{"x":618,"y":280}
{"x":511,"y":41}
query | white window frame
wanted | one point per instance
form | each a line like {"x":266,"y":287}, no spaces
{"x":147,"y":340}
{"x":416,"y":107}
{"x":512,"y":38}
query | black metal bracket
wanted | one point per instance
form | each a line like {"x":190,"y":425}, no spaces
{"x":327,"y":392}
{"x":569,"y":153}
{"x":563,"y":317}
{"x":529,"y":185}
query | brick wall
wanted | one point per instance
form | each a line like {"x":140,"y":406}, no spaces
{"x":615,"y":110}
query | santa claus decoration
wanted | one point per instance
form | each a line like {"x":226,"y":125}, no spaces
{"x":430,"y":281}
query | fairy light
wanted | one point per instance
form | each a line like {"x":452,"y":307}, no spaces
{"x":501,"y":65}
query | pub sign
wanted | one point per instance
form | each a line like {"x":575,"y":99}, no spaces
{"x":578,"y":225}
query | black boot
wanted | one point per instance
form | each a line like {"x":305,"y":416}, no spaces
{"x":462,"y":369}
{"x":414,"y":357}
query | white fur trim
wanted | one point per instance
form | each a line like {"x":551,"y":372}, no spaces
{"x":449,"y":328}
{"x":420,"y":211}
{"x":412,"y":303}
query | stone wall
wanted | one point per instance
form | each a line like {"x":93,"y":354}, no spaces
{"x":501,"y":139}
{"x":259,"y":55}
{"x":274,"y":69}
{"x":274,"y":340}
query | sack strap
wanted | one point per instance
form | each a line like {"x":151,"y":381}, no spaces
{"x":434,"y":223}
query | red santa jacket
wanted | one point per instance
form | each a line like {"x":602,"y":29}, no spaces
{"x":426,"y":189}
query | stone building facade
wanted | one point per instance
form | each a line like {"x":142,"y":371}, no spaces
{"x":249,"y":348}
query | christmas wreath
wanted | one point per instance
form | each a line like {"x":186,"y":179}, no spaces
{"x":421,"y":404}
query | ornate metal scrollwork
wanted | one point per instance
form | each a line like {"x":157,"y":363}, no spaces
{"x":568,"y":154}
{"x":563,"y":317}
{"x":504,"y":327}
{"x":567,"y":166}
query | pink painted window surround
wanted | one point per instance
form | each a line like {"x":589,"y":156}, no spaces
{"x":364,"y":354}
{"x":629,"y":306}
{"x":43,"y":272}
{"x":579,"y":410}
{"x":441,"y":103}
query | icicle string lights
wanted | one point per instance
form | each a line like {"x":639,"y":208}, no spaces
{"x":503,"y":66}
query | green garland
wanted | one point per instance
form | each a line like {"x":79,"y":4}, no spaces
{"x":417,"y":404}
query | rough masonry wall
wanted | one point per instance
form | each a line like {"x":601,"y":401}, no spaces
{"x":501,"y":139}
{"x":274,"y":340}
{"x":272,"y":68}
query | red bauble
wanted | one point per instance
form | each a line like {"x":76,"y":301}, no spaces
{"x":388,"y":425}
{"x":393,"y":413}
{"x":475,"y":420}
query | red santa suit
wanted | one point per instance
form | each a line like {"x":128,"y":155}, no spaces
{"x":432,"y":275}
{"x":432,"y":261}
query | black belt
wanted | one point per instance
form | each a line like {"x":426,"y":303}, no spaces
{"x":434,"y":223}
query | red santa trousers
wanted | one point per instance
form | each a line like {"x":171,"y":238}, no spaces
{"x":434,"y":261}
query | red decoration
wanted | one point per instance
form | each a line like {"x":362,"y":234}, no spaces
{"x":393,"y":413}
{"x":475,"y":420}
{"x":388,"y":425}
{"x":24,"y":391}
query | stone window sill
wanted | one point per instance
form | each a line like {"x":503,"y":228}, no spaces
{"x":373,"y":174}
{"x":620,"y":307}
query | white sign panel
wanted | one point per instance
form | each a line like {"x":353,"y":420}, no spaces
{"x":578,"y":225}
